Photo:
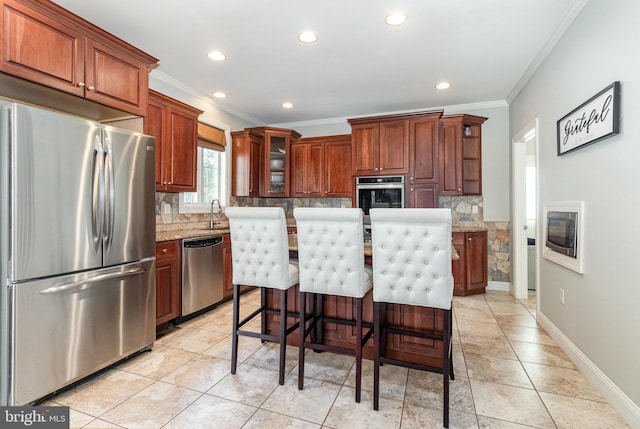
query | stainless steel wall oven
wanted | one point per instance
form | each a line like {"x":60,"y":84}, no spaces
{"x":379,"y":191}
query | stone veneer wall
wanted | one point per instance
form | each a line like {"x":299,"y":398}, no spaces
{"x":498,"y":233}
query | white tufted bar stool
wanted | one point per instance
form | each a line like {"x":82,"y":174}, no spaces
{"x":260,"y":257}
{"x":331,"y":256}
{"x":412,"y":266}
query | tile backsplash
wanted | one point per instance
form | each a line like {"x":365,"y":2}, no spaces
{"x":462,"y":210}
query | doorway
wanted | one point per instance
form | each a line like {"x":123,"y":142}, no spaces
{"x":524,"y":211}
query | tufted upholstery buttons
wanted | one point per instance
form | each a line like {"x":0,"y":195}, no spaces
{"x":331,"y":247}
{"x":412,"y":253}
{"x":259,"y":241}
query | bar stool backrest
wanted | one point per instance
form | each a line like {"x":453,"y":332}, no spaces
{"x":331,"y":251}
{"x":412,"y":256}
{"x":259,"y":246}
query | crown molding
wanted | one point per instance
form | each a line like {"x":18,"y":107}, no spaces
{"x":571,"y":14}
{"x":458,"y":108}
{"x":180,"y":86}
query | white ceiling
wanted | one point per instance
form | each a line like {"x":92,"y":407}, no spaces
{"x":359,"y":65}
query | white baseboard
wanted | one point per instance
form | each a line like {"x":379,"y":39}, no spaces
{"x":499,"y":286}
{"x":629,"y":411}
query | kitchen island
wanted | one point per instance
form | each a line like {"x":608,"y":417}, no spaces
{"x":419,"y":319}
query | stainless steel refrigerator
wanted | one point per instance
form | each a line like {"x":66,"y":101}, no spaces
{"x":77,"y":240}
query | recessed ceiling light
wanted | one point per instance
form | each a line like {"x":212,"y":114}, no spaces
{"x":307,"y":37}
{"x":443,"y":85}
{"x":219,"y":94}
{"x":217,"y":56}
{"x":287,"y":105}
{"x":396,"y":18}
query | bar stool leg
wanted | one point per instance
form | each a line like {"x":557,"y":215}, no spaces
{"x":358,"y":348}
{"x":236,"y":321}
{"x":446,"y":362}
{"x":376,"y":357}
{"x":263,"y":316}
{"x":452,"y":375}
{"x":303,"y":324}
{"x":283,"y":335}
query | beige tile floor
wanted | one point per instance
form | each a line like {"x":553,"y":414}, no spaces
{"x":509,"y":375}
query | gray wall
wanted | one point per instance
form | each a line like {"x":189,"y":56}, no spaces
{"x":601,"y":315}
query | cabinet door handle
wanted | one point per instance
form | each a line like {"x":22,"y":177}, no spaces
{"x":91,"y":87}
{"x":165,"y":250}
{"x":81,"y":84}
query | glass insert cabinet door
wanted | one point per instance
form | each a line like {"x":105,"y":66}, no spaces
{"x":276,"y":180}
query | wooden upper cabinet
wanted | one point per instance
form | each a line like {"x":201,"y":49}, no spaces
{"x":38,"y":48}
{"x":175,"y":127}
{"x":423,"y":149}
{"x":460,"y":155}
{"x":307,"y":164}
{"x":246,"y":164}
{"x":393,"y":151}
{"x":380,"y":148}
{"x":276,"y":165}
{"x":396,"y":145}
{"x":114,"y":78}
{"x":321,"y":167}
{"x":422,"y":183}
{"x":364,"y":148}
{"x":337,"y":171}
{"x":261,"y":162}
{"x":47,"y":44}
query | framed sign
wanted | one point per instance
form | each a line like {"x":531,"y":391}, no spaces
{"x":594,"y":120}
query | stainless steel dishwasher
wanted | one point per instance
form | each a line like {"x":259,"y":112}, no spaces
{"x":202,"y":273}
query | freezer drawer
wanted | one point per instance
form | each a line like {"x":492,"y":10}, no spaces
{"x":66,"y":328}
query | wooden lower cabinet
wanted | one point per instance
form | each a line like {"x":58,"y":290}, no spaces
{"x":422,"y":195}
{"x":227,"y":268}
{"x":167,"y":281}
{"x":470,"y":272}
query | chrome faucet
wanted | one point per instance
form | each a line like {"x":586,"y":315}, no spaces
{"x":211,"y":223}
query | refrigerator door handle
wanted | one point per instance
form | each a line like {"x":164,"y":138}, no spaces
{"x":97,"y":194}
{"x":110,"y":196}
{"x":98,"y":278}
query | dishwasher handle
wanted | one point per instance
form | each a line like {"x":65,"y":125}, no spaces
{"x":203,"y":242}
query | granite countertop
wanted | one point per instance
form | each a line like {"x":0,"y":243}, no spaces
{"x":179,"y":231}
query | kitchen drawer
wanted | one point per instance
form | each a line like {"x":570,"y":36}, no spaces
{"x":167,"y":249}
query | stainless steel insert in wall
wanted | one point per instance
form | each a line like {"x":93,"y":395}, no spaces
{"x":202,"y":273}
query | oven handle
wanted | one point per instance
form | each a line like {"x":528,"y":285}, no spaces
{"x":380,"y":186}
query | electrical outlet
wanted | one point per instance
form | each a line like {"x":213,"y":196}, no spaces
{"x":474,"y":209}
{"x":562,"y":296}
{"x":167,"y":208}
